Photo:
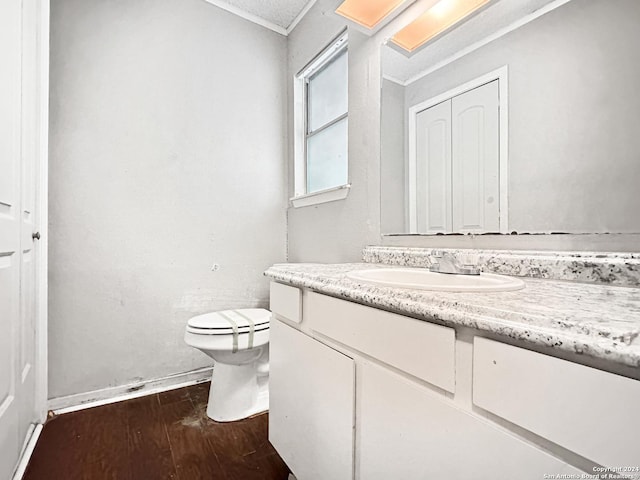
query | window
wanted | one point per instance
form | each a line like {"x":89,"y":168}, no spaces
{"x":321,"y":126}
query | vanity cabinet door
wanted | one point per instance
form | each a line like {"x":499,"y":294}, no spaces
{"x":405,"y":430}
{"x":311,"y":414}
{"x":588,"y":411}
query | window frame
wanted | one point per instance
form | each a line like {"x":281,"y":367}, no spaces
{"x":337,"y":47}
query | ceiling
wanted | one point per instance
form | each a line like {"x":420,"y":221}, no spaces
{"x":278,"y":15}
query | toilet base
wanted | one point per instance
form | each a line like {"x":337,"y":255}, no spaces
{"x":237,"y":392}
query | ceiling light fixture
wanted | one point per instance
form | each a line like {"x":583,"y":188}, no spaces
{"x":367,"y":13}
{"x":434,"y":21}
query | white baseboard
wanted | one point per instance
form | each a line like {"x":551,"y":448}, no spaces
{"x":80,"y":401}
{"x":25,"y":456}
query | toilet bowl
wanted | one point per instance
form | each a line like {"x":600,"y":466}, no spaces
{"x":238,"y":342}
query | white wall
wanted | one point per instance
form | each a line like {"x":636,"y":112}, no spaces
{"x":167,"y":138}
{"x":335,"y":231}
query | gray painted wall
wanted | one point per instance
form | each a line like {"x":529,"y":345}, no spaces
{"x":167,"y":139}
{"x":335,"y":231}
{"x":168,"y":127}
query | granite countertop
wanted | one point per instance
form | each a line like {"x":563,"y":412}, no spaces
{"x":599,"y":321}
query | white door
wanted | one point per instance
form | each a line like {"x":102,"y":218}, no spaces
{"x":476,"y":185}
{"x":433,"y":169}
{"x":18,"y":152}
{"x":457,"y":164}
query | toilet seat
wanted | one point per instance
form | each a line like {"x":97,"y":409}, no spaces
{"x":245,"y":320}
{"x":225,"y":331}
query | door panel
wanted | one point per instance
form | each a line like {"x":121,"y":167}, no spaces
{"x":476,"y":196}
{"x":19,"y":117}
{"x":10,"y":257}
{"x":433,"y":169}
{"x":9,"y":276}
{"x":29,"y":152}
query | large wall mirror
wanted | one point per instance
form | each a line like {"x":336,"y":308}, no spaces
{"x":537,"y":131}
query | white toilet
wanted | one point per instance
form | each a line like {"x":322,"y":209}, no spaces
{"x":238,"y":342}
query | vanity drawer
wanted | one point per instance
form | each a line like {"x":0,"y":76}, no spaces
{"x":286,"y":301}
{"x":420,"y":348}
{"x":588,"y":411}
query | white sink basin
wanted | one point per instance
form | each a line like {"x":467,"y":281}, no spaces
{"x":423,"y":279}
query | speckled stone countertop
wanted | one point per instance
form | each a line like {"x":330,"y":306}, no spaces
{"x":599,"y":321}
{"x":609,"y":268}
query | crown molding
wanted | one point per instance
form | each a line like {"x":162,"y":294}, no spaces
{"x":300,"y":16}
{"x":261,"y":21}
{"x":248,"y":16}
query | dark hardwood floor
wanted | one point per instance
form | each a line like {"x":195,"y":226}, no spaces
{"x":163,"y":436}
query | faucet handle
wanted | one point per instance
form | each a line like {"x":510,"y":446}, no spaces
{"x":437,"y":253}
{"x":468,"y":259}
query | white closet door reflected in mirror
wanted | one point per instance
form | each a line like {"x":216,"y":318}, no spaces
{"x":455,"y":169}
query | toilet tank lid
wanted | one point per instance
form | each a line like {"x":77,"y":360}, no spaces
{"x":222,"y":319}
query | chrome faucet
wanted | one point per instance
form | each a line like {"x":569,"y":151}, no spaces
{"x":446,"y":262}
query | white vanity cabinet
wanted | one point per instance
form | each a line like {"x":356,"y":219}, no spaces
{"x":357,"y":392}
{"x":311,"y":405}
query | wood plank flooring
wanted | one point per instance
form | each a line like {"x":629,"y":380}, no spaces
{"x":163,"y":436}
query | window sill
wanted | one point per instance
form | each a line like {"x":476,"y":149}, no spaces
{"x":323,"y":196}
